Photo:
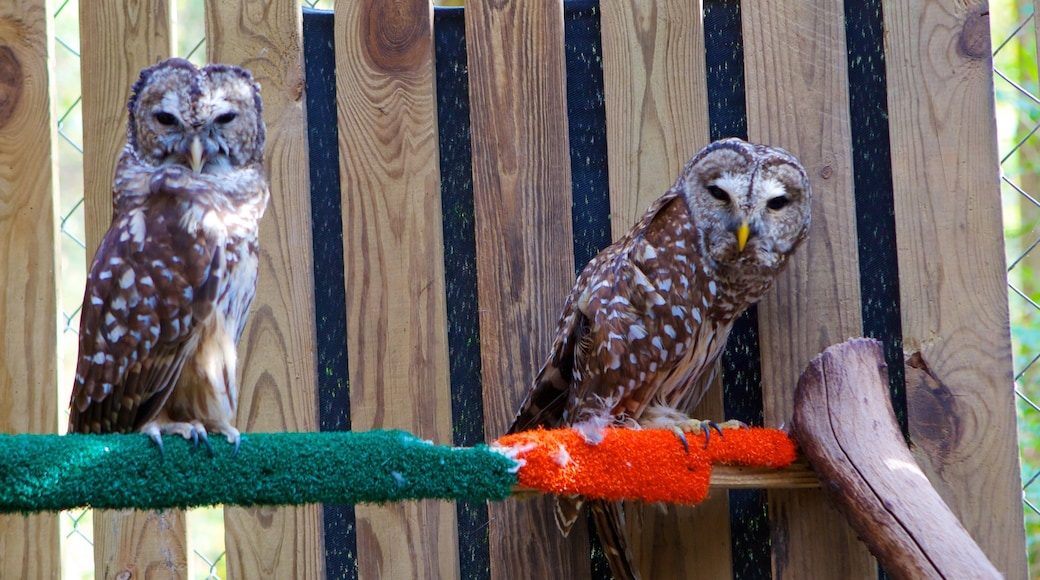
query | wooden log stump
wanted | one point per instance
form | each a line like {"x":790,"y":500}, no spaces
{"x":845,"y":425}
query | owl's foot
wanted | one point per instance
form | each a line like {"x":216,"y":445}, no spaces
{"x":192,"y":431}
{"x":696,"y":425}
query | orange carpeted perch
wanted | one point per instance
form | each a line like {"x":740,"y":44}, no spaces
{"x":649,"y":465}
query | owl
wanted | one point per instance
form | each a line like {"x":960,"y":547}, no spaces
{"x":169,"y":290}
{"x":644,"y":325}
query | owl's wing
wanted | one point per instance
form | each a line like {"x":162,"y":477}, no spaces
{"x":544,"y":404}
{"x":153,"y":282}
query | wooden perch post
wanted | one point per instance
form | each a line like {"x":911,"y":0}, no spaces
{"x":844,"y":422}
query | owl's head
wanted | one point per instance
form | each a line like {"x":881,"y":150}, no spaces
{"x":751,"y":202}
{"x":208,"y":119}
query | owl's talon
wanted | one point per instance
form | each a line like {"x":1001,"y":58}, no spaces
{"x":157,"y":439}
{"x":202,"y":436}
{"x":234,"y":438}
{"x":682,"y":438}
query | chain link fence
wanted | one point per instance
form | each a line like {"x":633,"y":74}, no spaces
{"x":1014,"y":33}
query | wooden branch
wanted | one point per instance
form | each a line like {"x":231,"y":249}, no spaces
{"x":845,"y":425}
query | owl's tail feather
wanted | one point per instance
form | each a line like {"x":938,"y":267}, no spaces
{"x":609,"y":517}
{"x":568,"y":507}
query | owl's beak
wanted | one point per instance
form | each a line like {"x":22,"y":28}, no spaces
{"x":742,"y":235}
{"x":196,"y":155}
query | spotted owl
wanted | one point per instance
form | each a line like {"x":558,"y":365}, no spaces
{"x":169,"y":290}
{"x":644,"y":325}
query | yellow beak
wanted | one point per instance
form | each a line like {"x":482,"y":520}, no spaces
{"x":196,"y":155}
{"x":742,"y":235}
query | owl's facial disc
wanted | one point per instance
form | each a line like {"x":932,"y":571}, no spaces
{"x":729,"y":204}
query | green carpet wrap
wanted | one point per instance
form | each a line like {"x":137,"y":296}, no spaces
{"x":52,"y":472}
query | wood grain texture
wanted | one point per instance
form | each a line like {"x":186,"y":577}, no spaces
{"x":28,"y":264}
{"x":525,"y":256}
{"x":117,"y":40}
{"x":657,"y":118}
{"x":797,"y":98}
{"x":394,"y":266}
{"x":138,"y":544}
{"x":951,"y":262}
{"x":655,"y":88}
{"x":278,"y":360}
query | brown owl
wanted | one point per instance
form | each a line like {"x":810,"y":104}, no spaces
{"x":642,"y":329}
{"x":170,"y":287}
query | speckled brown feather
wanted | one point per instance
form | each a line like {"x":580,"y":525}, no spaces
{"x":641,"y":331}
{"x":170,"y":287}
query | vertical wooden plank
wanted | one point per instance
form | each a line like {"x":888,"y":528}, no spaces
{"x":797,"y":98}
{"x":28,"y":264}
{"x":656,"y":93}
{"x":525,"y":258}
{"x":117,"y":40}
{"x":279,"y":365}
{"x":394,"y":266}
{"x":951,"y":265}
{"x":656,"y":96}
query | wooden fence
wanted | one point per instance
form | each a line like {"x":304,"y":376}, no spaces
{"x":888,"y":103}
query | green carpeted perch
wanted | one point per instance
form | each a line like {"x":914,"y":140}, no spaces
{"x":51,"y":472}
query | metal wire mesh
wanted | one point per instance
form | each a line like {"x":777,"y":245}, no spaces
{"x":1014,"y":33}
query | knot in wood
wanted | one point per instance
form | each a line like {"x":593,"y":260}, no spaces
{"x":973,"y":41}
{"x":398,"y":38}
{"x":12,"y":82}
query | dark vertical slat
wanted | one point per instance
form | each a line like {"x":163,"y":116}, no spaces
{"x":586,"y":119}
{"x":872,"y":175}
{"x":460,"y":265}
{"x":590,"y":193}
{"x":327,"y":241}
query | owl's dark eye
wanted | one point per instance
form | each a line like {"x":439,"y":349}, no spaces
{"x":778,"y":202}
{"x":226,"y":118}
{"x":718,"y":193}
{"x":165,"y":118}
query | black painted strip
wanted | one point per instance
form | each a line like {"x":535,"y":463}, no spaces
{"x":460,"y":264}
{"x":590,"y":191}
{"x":872,"y":175}
{"x":329,"y":295}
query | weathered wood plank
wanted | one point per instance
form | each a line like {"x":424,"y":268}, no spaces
{"x":279,"y":366}
{"x":394,"y":264}
{"x":525,"y":264}
{"x":28,"y":264}
{"x":139,"y":544}
{"x":951,"y":265}
{"x":117,"y":40}
{"x":656,"y":120}
{"x":797,"y":98}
